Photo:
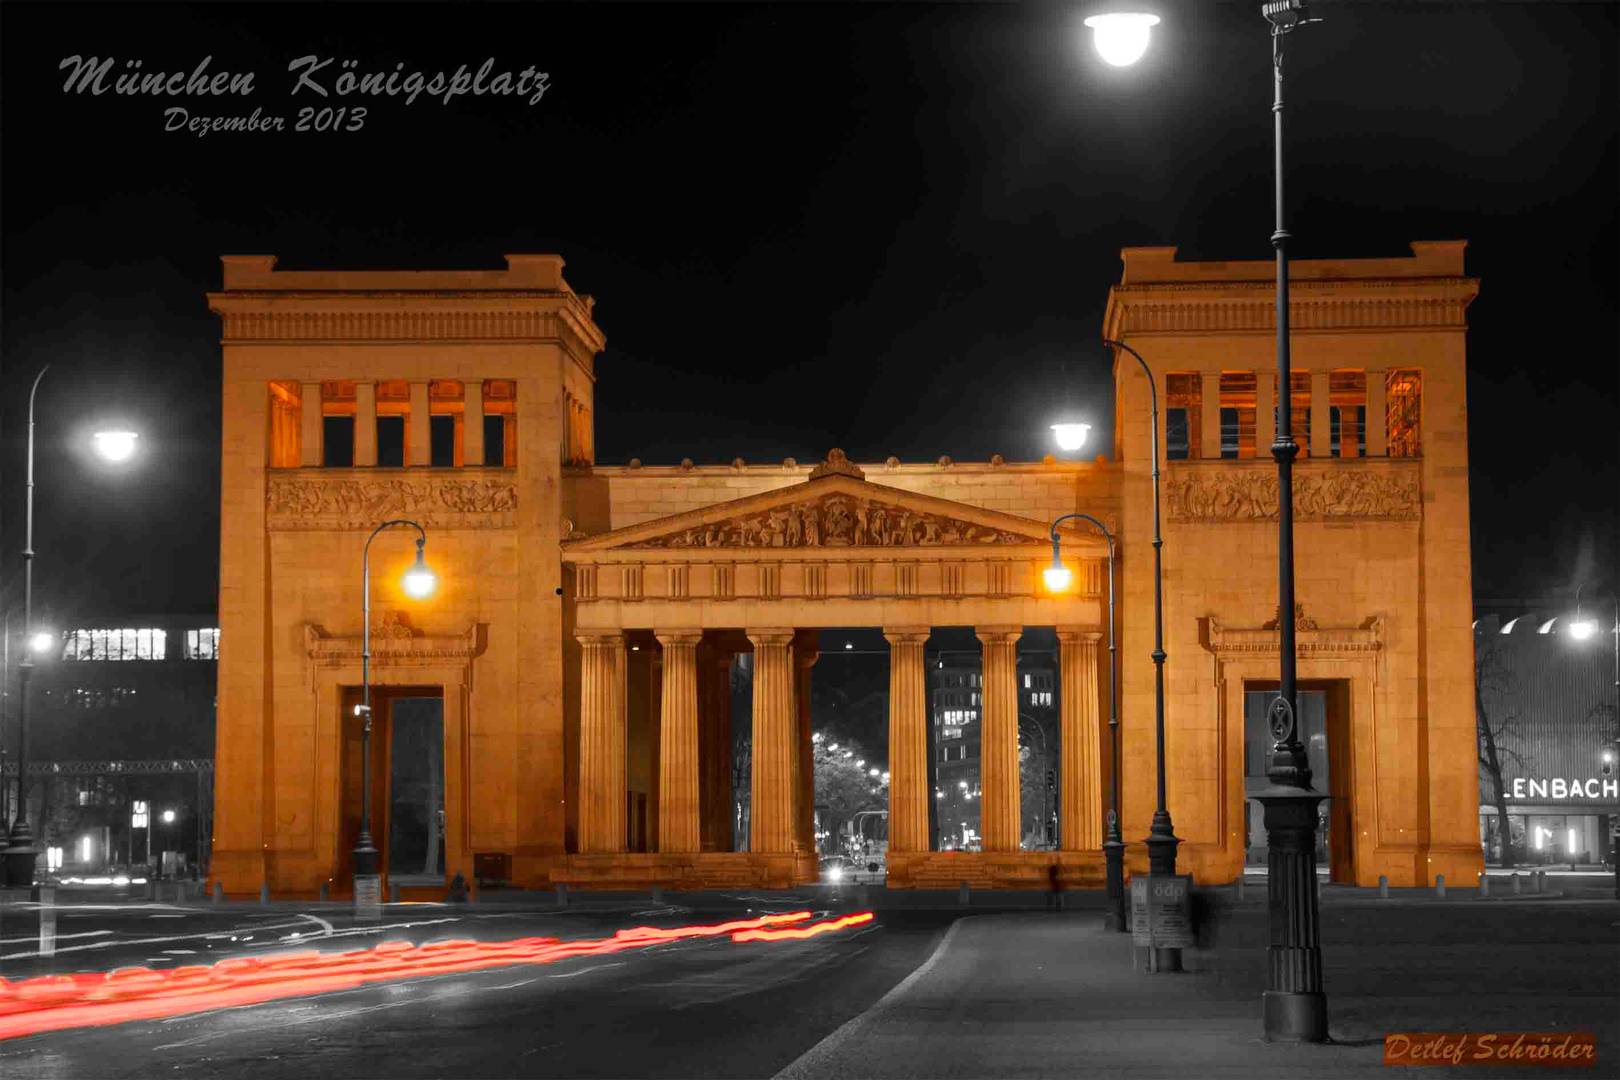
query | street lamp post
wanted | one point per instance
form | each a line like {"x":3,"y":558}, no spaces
{"x":1057,"y":580}
{"x":418,"y":583}
{"x":115,"y":446}
{"x":1295,"y":1005}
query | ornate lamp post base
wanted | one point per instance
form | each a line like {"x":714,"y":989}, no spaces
{"x":1296,"y":1007}
{"x":1114,"y":917}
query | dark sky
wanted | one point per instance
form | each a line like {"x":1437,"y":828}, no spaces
{"x":886,"y":228}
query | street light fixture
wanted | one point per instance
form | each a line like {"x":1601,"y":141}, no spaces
{"x":20,"y":854}
{"x":1161,"y":840}
{"x":1057,"y":579}
{"x":115,"y":446}
{"x":1295,"y":1005}
{"x":1121,"y":38}
{"x":418,"y":583}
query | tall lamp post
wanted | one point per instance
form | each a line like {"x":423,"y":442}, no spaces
{"x":418,"y":583}
{"x":1295,"y":1005}
{"x":1057,"y":580}
{"x":1582,"y":629}
{"x":113,"y":446}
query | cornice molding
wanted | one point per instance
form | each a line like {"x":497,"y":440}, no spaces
{"x":1236,"y":307}
{"x":329,"y":650}
{"x":1234,"y":643}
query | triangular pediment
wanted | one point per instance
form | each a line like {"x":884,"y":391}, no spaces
{"x":830,"y":511}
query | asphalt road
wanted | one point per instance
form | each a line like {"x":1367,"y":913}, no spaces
{"x":691,"y":1008}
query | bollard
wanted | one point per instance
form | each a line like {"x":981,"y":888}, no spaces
{"x":151,"y":888}
{"x":1518,"y":886}
{"x":46,"y":896}
{"x":326,"y":891}
{"x":562,"y":894}
{"x":1440,"y":886}
{"x":1383,"y":886}
{"x":1484,"y":886}
{"x":1240,"y":887}
{"x":264,"y":892}
{"x":657,"y":894}
{"x":393,"y":892}
{"x":964,"y":896}
{"x":1541,"y":881}
{"x":219,"y":891}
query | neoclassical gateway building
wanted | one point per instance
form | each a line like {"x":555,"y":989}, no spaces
{"x":559,"y":710}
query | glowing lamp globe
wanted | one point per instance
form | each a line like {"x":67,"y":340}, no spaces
{"x":419,"y":581}
{"x":1070,"y":436}
{"x":41,"y":641}
{"x":1121,"y":38}
{"x":115,"y":446}
{"x":1581,"y":629}
{"x":1057,"y":578}
{"x":168,"y":817}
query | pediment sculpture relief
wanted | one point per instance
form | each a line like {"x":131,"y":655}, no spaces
{"x":836,"y":521}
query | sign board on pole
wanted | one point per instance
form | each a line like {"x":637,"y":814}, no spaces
{"x":1161,"y":911}
{"x":367,"y":896}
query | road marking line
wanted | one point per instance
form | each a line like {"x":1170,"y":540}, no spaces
{"x":583,"y":971}
{"x":804,"y":1064}
{"x":30,"y":939}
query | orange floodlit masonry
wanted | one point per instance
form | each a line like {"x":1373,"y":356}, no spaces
{"x":54,"y":1002}
{"x":562,"y":704}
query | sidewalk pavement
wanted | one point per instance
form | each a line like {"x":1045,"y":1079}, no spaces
{"x":1031,"y":995}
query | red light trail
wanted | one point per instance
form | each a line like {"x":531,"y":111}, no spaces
{"x":55,"y":1002}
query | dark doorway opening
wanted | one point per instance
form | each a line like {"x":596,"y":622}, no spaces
{"x":407,"y":783}
{"x":1324,"y":729}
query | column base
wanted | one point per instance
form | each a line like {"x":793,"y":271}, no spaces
{"x":1295,"y":1017}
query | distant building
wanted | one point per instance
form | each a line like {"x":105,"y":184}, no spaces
{"x":121,"y":742}
{"x":1549,"y":698}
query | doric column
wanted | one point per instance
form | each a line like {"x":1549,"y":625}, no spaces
{"x":472,"y":422}
{"x":1377,"y":419}
{"x":418,"y":431}
{"x":908,"y":739}
{"x":365,"y":422}
{"x":311,"y":429}
{"x":804,"y":658}
{"x":1080,"y":828}
{"x":601,"y":743}
{"x":772,"y":796}
{"x":998,"y":735}
{"x":678,"y":829}
{"x":1321,"y":419}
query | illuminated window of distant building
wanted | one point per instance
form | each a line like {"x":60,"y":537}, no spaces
{"x":138,"y":643}
{"x":1347,"y":392}
{"x":951,"y":733}
{"x":1183,"y":392}
{"x":286,"y":408}
{"x":1237,"y":414}
{"x":1299,"y":414}
{"x":500,"y":422}
{"x":1403,"y":405}
{"x":337,"y":423}
{"x":202,"y":644}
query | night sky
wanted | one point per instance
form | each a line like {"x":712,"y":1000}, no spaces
{"x":886,"y":228}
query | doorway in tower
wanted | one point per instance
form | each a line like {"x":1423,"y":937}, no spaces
{"x":407,"y":783}
{"x":1324,"y":729}
{"x":848,"y":711}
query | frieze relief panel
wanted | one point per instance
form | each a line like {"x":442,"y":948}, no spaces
{"x":1213,"y":493}
{"x":306,"y":500}
{"x":836,"y":521}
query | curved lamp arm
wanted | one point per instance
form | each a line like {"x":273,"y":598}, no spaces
{"x":365,"y":593}
{"x":1112,"y":827}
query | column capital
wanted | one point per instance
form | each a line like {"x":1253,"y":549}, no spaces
{"x":678,"y":637}
{"x":599,"y":637}
{"x":998,"y":635}
{"x":770,"y":636}
{"x":1076,"y":634}
{"x":907,"y":635}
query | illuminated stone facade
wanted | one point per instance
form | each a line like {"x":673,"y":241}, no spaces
{"x":587,"y":614}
